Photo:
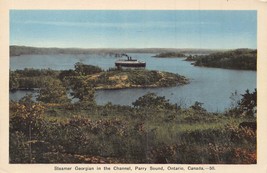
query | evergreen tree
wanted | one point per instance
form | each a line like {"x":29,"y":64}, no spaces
{"x":53,"y":92}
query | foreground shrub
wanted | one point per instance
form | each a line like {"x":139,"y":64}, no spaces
{"x":121,"y":134}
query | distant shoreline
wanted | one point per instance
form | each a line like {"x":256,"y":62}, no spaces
{"x":26,"y":50}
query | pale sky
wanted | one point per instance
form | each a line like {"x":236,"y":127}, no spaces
{"x":134,"y":29}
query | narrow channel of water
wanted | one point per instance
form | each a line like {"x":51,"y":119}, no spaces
{"x":211,"y":86}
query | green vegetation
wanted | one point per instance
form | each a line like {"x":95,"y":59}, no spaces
{"x":153,"y":131}
{"x":170,"y":55}
{"x":243,"y":59}
{"x":246,"y":106}
{"x":83,"y":69}
{"x":53,"y":92}
{"x":119,"y":79}
{"x":30,"y":78}
{"x":94,"y":77}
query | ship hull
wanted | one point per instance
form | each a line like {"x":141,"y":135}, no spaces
{"x":141,"y":64}
{"x":130,"y":63}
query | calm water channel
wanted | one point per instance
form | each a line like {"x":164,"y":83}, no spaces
{"x":211,"y":86}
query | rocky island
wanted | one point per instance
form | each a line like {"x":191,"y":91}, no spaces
{"x":135,"y":79}
{"x":94,"y":77}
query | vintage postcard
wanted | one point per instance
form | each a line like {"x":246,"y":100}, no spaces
{"x":133,"y":87}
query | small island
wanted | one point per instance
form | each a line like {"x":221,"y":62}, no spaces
{"x":135,"y":79}
{"x":170,"y":55}
{"x":95,"y":77}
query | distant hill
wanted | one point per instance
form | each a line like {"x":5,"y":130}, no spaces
{"x":243,"y":59}
{"x":170,"y":55}
{"x":24,"y":50}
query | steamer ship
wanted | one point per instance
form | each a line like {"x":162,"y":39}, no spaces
{"x":129,"y":62}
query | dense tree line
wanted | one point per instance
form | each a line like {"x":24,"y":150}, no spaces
{"x":244,"y":59}
{"x":170,"y":55}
